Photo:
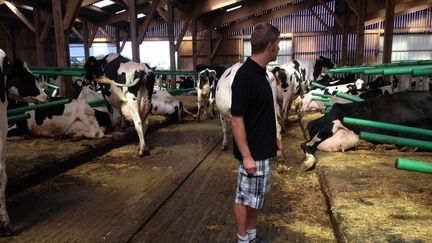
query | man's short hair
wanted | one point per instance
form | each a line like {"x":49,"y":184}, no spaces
{"x":263,"y":34}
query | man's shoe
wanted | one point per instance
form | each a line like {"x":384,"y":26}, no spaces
{"x":258,"y":239}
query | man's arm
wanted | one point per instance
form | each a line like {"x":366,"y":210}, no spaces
{"x":239,"y":132}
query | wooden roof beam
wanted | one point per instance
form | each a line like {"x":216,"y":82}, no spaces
{"x":337,"y":19}
{"x":328,"y":28}
{"x":148,"y":19}
{"x":18,"y":13}
{"x":206,"y":6}
{"x":354,"y":6}
{"x":401,"y":8}
{"x":6,"y":31}
{"x":72,"y":8}
{"x":186,"y":26}
{"x":270,"y":15}
{"x":246,"y":10}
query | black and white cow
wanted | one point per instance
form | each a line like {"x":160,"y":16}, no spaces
{"x":16,"y":82}
{"x":223,"y":100}
{"x":126,"y":85}
{"x":163,"y":103}
{"x":289,"y":87}
{"x":206,"y":90}
{"x":410,"y":108}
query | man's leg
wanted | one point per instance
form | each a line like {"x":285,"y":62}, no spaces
{"x":241,"y":216}
{"x":251,"y":222}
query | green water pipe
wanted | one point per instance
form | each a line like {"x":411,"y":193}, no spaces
{"x":413,"y":165}
{"x":325,"y":111}
{"x":37,"y":106}
{"x":175,"y":72}
{"x":403,"y":70}
{"x":97,"y":102}
{"x":320,"y":99}
{"x":401,"y":141}
{"x":51,"y":85}
{"x":387,"y":126}
{"x":315,"y":84}
{"x":58,"y":68}
{"x":349,"y":97}
{"x":328,"y":104}
{"x":60,"y":73}
{"x":322,"y":95}
{"x":422,"y":72}
{"x":12,"y":119}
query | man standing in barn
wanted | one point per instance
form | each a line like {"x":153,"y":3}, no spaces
{"x":253,"y":125}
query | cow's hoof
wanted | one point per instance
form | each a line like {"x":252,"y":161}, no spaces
{"x":279,"y":156}
{"x":224,"y":147}
{"x":145,"y":152}
{"x":309,"y":162}
{"x":6,"y":230}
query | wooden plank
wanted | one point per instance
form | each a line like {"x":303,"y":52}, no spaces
{"x":205,"y":6}
{"x":46,"y":27}
{"x":94,"y":29}
{"x":72,"y":7}
{"x":183,"y":32}
{"x":353,"y":6}
{"x":203,"y":41}
{"x":59,"y":34}
{"x":194,"y":43}
{"x":133,"y":30}
{"x":148,"y":19}
{"x":400,"y":9}
{"x":102,"y":30}
{"x":6,"y":31}
{"x":345,"y":36}
{"x":78,"y":34}
{"x":337,"y":19}
{"x":216,"y":47}
{"x":86,"y":40}
{"x":21,"y":16}
{"x":330,"y":30}
{"x":171,"y":43}
{"x":388,"y":30}
{"x":246,"y":10}
{"x":360,"y":33}
{"x":40,"y":54}
{"x":270,"y":15}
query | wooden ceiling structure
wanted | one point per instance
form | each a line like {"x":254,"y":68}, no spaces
{"x":84,"y":19}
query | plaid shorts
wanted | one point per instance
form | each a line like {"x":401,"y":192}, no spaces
{"x":252,"y":188}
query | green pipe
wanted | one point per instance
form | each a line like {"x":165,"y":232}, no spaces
{"x":414,"y":165}
{"x":401,"y":141}
{"x":325,"y":111}
{"x":322,"y":95}
{"x":328,"y":104}
{"x":321,"y":99}
{"x":370,"y":68}
{"x":422,"y":72}
{"x":349,"y":97}
{"x":37,"y":106}
{"x":179,"y":91}
{"x":58,"y":68}
{"x":315,"y":84}
{"x":387,"y":126}
{"x":12,"y":119}
{"x":97,"y":102}
{"x":174,"y":72}
{"x":374,"y":71}
{"x":60,"y":73}
{"x":51,"y":85}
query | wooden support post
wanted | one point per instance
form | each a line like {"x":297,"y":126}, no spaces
{"x":209,"y":47}
{"x":344,"y":61}
{"x":293,"y":47}
{"x":66,"y":87}
{"x":117,"y":40}
{"x":86,"y":41}
{"x":40,"y":57}
{"x":360,"y":33}
{"x":171,"y":42}
{"x":388,"y":30}
{"x":194,"y":43}
{"x":241,"y":47}
{"x":377,"y":44}
{"x":133,"y":31}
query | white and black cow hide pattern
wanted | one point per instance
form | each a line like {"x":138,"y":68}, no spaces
{"x":206,"y":91}
{"x":163,"y":103}
{"x":223,"y":100}
{"x":126,"y":85}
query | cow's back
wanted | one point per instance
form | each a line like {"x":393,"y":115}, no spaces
{"x":223,"y":90}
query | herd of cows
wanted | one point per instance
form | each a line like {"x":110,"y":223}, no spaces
{"x":128,"y":88}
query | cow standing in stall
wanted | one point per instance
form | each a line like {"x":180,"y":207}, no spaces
{"x":16,"y":82}
{"x":410,"y":108}
{"x":206,"y":88}
{"x":289,"y":87}
{"x":126,"y":85}
{"x":223,"y":100}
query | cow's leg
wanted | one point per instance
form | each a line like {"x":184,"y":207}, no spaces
{"x":310,"y":146}
{"x":199,"y":96}
{"x":224,"y":131}
{"x":131,"y":107}
{"x":5,"y":226}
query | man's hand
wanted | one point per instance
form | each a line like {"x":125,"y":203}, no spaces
{"x":279,"y":144}
{"x":249,"y":165}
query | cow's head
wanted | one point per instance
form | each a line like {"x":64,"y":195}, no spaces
{"x":322,"y":64}
{"x":22,"y":86}
{"x":93,"y":68}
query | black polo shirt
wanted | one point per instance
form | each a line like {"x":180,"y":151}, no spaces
{"x":252,"y":97}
